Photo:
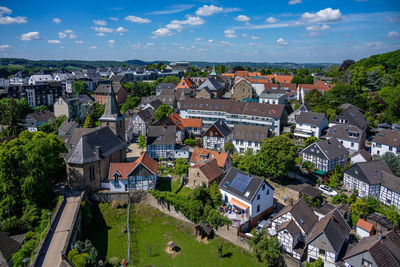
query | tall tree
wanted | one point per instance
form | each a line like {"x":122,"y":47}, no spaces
{"x":80,"y":87}
{"x":89,"y":122}
{"x":162,"y":112}
{"x":142,"y":142}
{"x":12,"y":114}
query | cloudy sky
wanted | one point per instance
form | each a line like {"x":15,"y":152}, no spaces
{"x":260,"y":31}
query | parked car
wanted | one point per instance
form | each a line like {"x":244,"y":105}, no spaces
{"x":327,"y":190}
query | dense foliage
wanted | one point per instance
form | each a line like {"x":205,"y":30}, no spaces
{"x":80,"y":87}
{"x":162,"y":112}
{"x":131,"y":103}
{"x":393,"y":162}
{"x":266,"y":248}
{"x":12,"y":115}
{"x":200,"y":205}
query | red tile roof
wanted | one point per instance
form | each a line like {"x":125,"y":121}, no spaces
{"x":125,"y":168}
{"x":241,"y":73}
{"x":319,"y":87}
{"x":201,"y":154}
{"x":182,"y":123}
{"x":367,"y":226}
{"x":281,"y":78}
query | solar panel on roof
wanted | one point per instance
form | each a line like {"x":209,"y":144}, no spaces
{"x":240,"y":182}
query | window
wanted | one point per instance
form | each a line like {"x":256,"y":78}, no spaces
{"x":352,"y":144}
{"x":366,"y":263}
{"x":321,"y":252}
{"x":258,"y":196}
{"x":390,"y":148}
{"x":263,"y":187}
{"x":267,"y":192}
{"x":258,"y":208}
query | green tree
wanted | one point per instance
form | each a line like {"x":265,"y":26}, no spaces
{"x":317,"y":263}
{"x":277,"y":156}
{"x":309,"y":166}
{"x":190,"y":142}
{"x":181,"y":166}
{"x":266,"y":249}
{"x":89,"y":122}
{"x":393,"y":162}
{"x":142,"y":142}
{"x":392,"y":215}
{"x":80,"y":87}
{"x":131,"y":102}
{"x":310,"y":140}
{"x":229,"y":147}
{"x":12,"y":114}
{"x":162,"y":112}
{"x":172,"y":79}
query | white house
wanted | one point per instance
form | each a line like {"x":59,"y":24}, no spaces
{"x":217,"y":136}
{"x":19,"y":78}
{"x":386,"y":141}
{"x":351,"y":137}
{"x":248,"y":137}
{"x":364,"y":228}
{"x":276,"y":99}
{"x":40,"y":79}
{"x":4,"y":82}
{"x":310,"y":124}
{"x":390,"y":190}
{"x":293,"y":116}
{"x":361,"y":156}
{"x":250,"y":196}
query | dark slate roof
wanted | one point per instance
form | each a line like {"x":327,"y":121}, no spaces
{"x":77,"y":134}
{"x":369,"y":172}
{"x":302,"y":213}
{"x":329,"y":149}
{"x":346,"y":132}
{"x":204,"y":228}
{"x":222,"y":128}
{"x":311,"y":191}
{"x":353,"y":116}
{"x":8,"y":246}
{"x":117,"y":78}
{"x":384,"y":249}
{"x":105,"y":88}
{"x":325,"y":209}
{"x":164,"y":99}
{"x":43,"y":115}
{"x":334,"y":227}
{"x":83,"y":151}
{"x":20,"y":74}
{"x":252,"y":189}
{"x":310,"y":118}
{"x":388,"y":137}
{"x":155,"y":103}
{"x":291,"y":227}
{"x":67,"y":126}
{"x":165,"y":86}
{"x":212,"y":85}
{"x":147,"y":115}
{"x":391,"y":182}
{"x":159,"y":135}
{"x":251,"y":133}
{"x":111,"y":111}
{"x":364,"y":153}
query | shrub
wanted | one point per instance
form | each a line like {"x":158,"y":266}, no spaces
{"x":190,"y":142}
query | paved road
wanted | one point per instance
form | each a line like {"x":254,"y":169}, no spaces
{"x":51,"y":256}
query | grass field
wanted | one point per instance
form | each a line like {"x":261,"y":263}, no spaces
{"x":152,"y":228}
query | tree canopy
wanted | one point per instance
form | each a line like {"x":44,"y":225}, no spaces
{"x":80,"y":87}
{"x":162,"y":112}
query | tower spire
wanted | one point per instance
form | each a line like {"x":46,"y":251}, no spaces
{"x":111,"y":111}
{"x":213,"y":73}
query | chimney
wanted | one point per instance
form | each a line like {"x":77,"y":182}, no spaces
{"x":97,"y":151}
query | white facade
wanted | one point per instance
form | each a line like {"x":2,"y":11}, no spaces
{"x":361,"y":232}
{"x":306,"y":130}
{"x":275,"y":99}
{"x":40,"y":79}
{"x":351,"y":146}
{"x":242,"y":145}
{"x":358,"y":158}
{"x":389,"y":197}
{"x":364,"y":190}
{"x":4,"y":82}
{"x":380,"y":149}
{"x":327,"y":257}
{"x":214,"y":142}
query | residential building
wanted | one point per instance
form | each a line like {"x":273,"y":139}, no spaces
{"x":102,"y":91}
{"x":92,"y":149}
{"x":4,"y":82}
{"x":327,"y":239}
{"x":375,"y":251}
{"x":138,"y":175}
{"x":205,"y":93}
{"x":161,"y":142}
{"x":271,"y":98}
{"x":390,"y":190}
{"x":303,"y":89}
{"x":36,"y":95}
{"x":8,"y":247}
{"x":279,"y":78}
{"x":361,"y":156}
{"x":212,"y":86}
{"x":248,"y":137}
{"x":250,"y":196}
{"x":67,"y":127}
{"x":292,"y":225}
{"x":386,"y":141}
{"x":351,"y":115}
{"x":185,"y":127}
{"x":310,"y":124}
{"x":169,"y":100}
{"x":40,"y":79}
{"x":140,"y":121}
{"x":366,"y":178}
{"x":255,"y":114}
{"x":326,"y":154}
{"x":293,"y":116}
{"x":223,"y":159}
{"x":364,"y":228}
{"x":242,"y":89}
{"x":75,"y":107}
{"x":164,"y":86}
{"x":37,"y":118}
{"x":204,"y":173}
{"x":19,"y":78}
{"x":351,"y":137}
{"x":185,"y":83}
{"x":217,"y":136}
{"x":290,"y":89}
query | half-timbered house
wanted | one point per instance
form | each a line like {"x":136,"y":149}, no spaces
{"x":217,"y":136}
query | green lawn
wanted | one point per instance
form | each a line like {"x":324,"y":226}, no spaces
{"x":167,"y":184}
{"x":150,"y":227}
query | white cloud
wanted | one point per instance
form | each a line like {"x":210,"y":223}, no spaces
{"x":78,"y":42}
{"x":93,"y":47}
{"x":202,"y":50}
{"x":208,"y":10}
{"x":294,"y":2}
{"x":255,"y":37}
{"x":8,"y":19}
{"x":271,"y":20}
{"x":162,"y":32}
{"x":30,"y":36}
{"x":57,"y":20}
{"x":230,"y":34}
{"x":242,"y":18}
{"x":198,"y":39}
{"x":101,"y":34}
{"x":100,"y":22}
{"x":69,"y":31}
{"x":210,"y":41}
{"x":114,"y":19}
{"x":62,"y":35}
{"x":54,"y":41}
{"x":322,"y":16}
{"x":178,"y":25}
{"x":174,"y":26}
{"x":2,"y":47}
{"x":315,"y":34}
{"x":226,"y":43}
{"x":72,"y":36}
{"x":149,"y":44}
{"x":172,"y":9}
{"x":394,"y":34}
{"x":111,"y":41}
{"x":102,"y":29}
{"x":252,"y":44}
{"x":282,"y":42}
{"x":318,"y":28}
{"x":121,"y":29}
{"x":135,"y":19}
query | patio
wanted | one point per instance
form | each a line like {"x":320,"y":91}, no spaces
{"x":237,"y":215}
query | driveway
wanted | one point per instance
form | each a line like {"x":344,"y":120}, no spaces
{"x":134,"y":152}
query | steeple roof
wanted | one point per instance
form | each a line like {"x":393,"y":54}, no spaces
{"x":111,"y":112}
{"x":213,"y":72}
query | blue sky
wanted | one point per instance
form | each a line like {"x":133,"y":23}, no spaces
{"x":260,"y":31}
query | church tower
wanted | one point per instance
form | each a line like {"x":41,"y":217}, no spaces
{"x":112,"y":117}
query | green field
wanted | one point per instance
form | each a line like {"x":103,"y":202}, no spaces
{"x":152,"y":228}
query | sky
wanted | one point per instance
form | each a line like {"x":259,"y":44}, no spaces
{"x":300,"y":31}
